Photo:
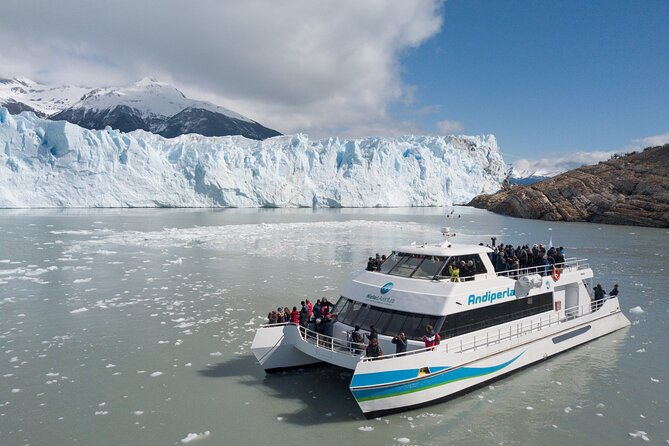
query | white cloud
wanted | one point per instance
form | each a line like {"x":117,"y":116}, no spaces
{"x":449,"y":127}
{"x":295,"y":65}
{"x":648,"y":141}
{"x":555,"y":165}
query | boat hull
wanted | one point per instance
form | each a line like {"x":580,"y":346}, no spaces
{"x":274,"y":348}
{"x":403,"y":382}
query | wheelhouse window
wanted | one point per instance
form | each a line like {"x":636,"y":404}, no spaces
{"x":387,"y":322}
{"x":412,"y":265}
{"x":468,"y":265}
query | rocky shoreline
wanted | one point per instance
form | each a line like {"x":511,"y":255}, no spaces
{"x":626,"y":190}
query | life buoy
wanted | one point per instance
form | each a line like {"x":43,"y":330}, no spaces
{"x":556,"y":274}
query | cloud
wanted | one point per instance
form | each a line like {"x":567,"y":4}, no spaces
{"x":295,"y":65}
{"x":553,"y":166}
{"x":648,"y":141}
{"x":549,"y":167}
{"x":449,"y":127}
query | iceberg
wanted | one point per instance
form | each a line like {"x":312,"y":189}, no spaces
{"x":46,"y":164}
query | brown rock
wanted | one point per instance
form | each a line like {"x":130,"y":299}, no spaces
{"x":629,"y":190}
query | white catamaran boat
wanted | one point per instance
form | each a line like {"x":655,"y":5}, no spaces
{"x":490,"y":324}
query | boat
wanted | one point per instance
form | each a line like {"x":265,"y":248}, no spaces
{"x":490,"y":324}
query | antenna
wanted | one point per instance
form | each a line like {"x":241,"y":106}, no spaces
{"x":446,"y":232}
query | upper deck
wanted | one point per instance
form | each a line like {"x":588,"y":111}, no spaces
{"x":446,"y":278}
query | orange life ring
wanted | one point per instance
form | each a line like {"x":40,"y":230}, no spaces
{"x":556,"y":274}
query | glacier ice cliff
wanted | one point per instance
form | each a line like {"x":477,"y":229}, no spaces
{"x":57,"y":164}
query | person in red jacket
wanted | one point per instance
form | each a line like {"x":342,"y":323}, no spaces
{"x":295,"y":316}
{"x":310,"y":307}
{"x":431,"y":338}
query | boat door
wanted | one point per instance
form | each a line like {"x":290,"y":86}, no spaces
{"x":571,"y":301}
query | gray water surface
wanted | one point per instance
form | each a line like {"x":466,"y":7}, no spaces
{"x":133,"y":327}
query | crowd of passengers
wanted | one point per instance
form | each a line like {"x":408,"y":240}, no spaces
{"x":316,"y":317}
{"x":374,"y":263}
{"x":507,"y":258}
{"x":319,"y":318}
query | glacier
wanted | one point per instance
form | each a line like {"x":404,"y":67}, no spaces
{"x":46,"y":164}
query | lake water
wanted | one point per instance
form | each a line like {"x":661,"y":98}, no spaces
{"x":133,"y":327}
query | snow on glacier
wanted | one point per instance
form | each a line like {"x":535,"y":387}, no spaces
{"x":57,"y":164}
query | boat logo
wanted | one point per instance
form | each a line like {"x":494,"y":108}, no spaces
{"x":387,"y":287}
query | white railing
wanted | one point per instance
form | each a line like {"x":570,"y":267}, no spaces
{"x":506,"y":334}
{"x":544,"y":270}
{"x":464,"y":344}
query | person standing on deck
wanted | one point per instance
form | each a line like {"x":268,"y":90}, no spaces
{"x":373,"y":349}
{"x":304,"y":315}
{"x":400,"y":342}
{"x":599,"y":296}
{"x":431,"y":338}
{"x":454,"y":271}
{"x":310,"y":307}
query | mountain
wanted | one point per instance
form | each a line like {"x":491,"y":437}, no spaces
{"x":20,"y":94}
{"x":47,"y":163}
{"x":627,"y":190}
{"x":523,"y":181}
{"x":159,"y":108}
{"x":147,"y":105}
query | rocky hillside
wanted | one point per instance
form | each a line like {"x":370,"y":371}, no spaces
{"x":628,"y":190}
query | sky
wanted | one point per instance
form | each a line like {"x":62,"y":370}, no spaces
{"x":565,"y":82}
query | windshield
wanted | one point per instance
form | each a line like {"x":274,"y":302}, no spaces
{"x":412,"y":265}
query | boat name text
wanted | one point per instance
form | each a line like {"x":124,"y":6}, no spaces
{"x":490,"y":297}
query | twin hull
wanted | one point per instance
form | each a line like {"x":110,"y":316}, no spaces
{"x":401,"y":382}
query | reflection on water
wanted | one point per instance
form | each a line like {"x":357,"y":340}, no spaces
{"x":134,"y":327}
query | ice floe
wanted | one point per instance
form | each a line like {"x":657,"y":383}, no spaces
{"x":195,"y":436}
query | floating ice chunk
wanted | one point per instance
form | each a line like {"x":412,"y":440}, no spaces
{"x":637,"y":310}
{"x":402,"y":440}
{"x":641,"y":350}
{"x":154,"y":374}
{"x":101,"y":412}
{"x":567,"y":409}
{"x":366,"y":428}
{"x":16,"y":390}
{"x":138,"y":412}
{"x":79,"y":310}
{"x":655,"y":380}
{"x":109,"y":366}
{"x":639,"y":434}
{"x":194,"y":437}
{"x":88,"y":279}
{"x":529,"y":408}
{"x":215,"y":354}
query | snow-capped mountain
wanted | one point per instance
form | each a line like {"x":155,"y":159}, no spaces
{"x":159,"y":108}
{"x":20,"y":94}
{"x":146,"y":105}
{"x":47,"y":163}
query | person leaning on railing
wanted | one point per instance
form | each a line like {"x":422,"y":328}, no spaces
{"x":373,"y":349}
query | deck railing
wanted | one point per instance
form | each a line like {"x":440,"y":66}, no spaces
{"x":462,"y":345}
{"x":507,"y":334}
{"x":545,"y":270}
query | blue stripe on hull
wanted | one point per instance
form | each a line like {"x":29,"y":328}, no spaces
{"x":428,"y":381}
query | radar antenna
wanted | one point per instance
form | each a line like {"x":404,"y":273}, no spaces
{"x":446,"y":232}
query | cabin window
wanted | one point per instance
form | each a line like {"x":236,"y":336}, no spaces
{"x":468,"y":321}
{"x":387,"y":322}
{"x":429,"y":267}
{"x":472,"y":265}
{"x":412,"y":265}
